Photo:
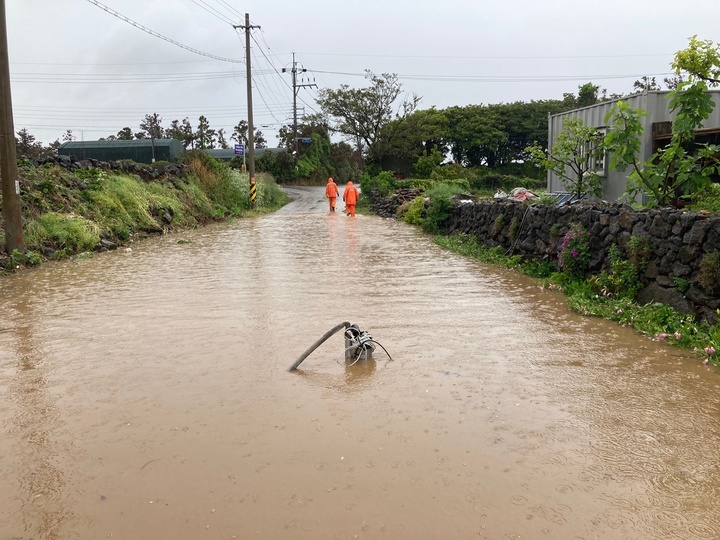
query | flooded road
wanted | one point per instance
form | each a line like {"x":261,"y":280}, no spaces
{"x":144,"y":395}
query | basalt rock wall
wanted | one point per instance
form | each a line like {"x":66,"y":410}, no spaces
{"x":146,"y":172}
{"x":678,"y":241}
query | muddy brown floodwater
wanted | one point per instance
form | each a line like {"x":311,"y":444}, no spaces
{"x":144,"y":395}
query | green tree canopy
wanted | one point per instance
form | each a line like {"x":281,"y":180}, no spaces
{"x":362,"y":114}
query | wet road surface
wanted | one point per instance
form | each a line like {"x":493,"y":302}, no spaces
{"x":144,"y":395}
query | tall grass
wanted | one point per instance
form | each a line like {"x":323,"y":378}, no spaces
{"x":66,"y":233}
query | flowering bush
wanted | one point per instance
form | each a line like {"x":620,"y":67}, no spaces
{"x":574,"y":254}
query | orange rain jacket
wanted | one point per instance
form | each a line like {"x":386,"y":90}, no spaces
{"x":350,"y":195}
{"x":331,"y":190}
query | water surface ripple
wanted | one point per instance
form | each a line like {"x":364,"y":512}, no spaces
{"x":144,"y":395}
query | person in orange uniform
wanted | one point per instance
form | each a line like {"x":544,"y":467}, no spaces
{"x":350,"y":196}
{"x":331,"y":192}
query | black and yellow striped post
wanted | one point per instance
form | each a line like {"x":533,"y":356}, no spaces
{"x":253,"y":192}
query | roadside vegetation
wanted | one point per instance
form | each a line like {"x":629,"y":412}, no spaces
{"x":75,"y":213}
{"x":681,"y":174}
{"x":611,"y":294}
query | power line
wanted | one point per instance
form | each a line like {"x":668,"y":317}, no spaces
{"x":438,"y":57}
{"x":215,"y":13}
{"x":232,"y":9}
{"x":501,"y":78}
{"x":157,"y":35}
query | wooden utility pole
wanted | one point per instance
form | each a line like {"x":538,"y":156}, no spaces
{"x":11,"y":208}
{"x":251,"y":130}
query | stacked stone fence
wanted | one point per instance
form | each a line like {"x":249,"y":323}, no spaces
{"x":678,"y":240}
{"x":146,"y":172}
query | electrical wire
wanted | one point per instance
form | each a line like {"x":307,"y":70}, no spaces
{"x":215,"y":13}
{"x":157,"y":35}
{"x":232,"y":9}
{"x":501,"y":78}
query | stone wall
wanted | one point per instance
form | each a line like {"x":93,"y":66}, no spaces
{"x":678,"y":241}
{"x":146,"y":172}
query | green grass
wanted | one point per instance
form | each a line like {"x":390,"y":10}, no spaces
{"x":68,"y":212}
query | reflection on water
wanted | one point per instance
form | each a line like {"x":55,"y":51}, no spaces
{"x":38,"y":496}
{"x":145,"y":395}
{"x":355,"y":378}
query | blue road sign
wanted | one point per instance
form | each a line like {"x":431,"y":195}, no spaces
{"x":239,"y":149}
{"x":306,"y":141}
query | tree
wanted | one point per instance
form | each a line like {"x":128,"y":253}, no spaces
{"x":240,"y":135}
{"x":424,"y":165}
{"x":362,"y":114}
{"x":205,"y":136}
{"x":259,"y":139}
{"x":151,"y":126}
{"x":645,"y":84}
{"x":574,"y":157}
{"x":175,"y":131}
{"x":701,"y":60}
{"x":346,"y":161}
{"x":68,"y":136}
{"x":420,"y":133}
{"x":472,"y":130}
{"x":27,"y":146}
{"x":280,"y":165}
{"x":125,"y":134}
{"x":588,"y":94}
{"x":222,"y":142}
{"x":52,"y":148}
{"x":683,"y":166}
{"x":188,"y":134}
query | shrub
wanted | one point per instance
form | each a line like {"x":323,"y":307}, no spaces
{"x":513,"y":229}
{"x":623,"y":279}
{"x":414,"y":210}
{"x":384,"y":183}
{"x":639,"y":249}
{"x":574,"y":254}
{"x":499,"y":223}
{"x":709,"y":275}
{"x":440,"y":207}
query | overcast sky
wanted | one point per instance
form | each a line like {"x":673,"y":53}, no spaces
{"x":75,"y":66}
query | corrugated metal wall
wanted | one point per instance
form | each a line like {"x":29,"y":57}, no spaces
{"x":139,"y":151}
{"x":655,"y":103}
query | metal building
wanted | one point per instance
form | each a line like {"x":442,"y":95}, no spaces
{"x":656,"y":133}
{"x":137,"y":150}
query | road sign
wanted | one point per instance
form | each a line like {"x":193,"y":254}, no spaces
{"x":239,"y":149}
{"x":306,"y":140}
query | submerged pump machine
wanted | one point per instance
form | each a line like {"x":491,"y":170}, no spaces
{"x":359,"y":344}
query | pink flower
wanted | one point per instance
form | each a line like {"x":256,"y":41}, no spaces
{"x":619,"y":311}
{"x":677,"y":335}
{"x":710,"y":350}
{"x":705,"y":362}
{"x":662,"y":336}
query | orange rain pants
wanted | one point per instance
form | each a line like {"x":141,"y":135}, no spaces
{"x":331,"y":192}
{"x":350,"y":196}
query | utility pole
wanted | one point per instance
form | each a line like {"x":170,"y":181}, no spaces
{"x":11,"y":207}
{"x":251,"y":129}
{"x":294,"y":71}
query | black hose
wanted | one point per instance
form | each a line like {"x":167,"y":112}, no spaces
{"x":318,"y":343}
{"x":383,"y":348}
